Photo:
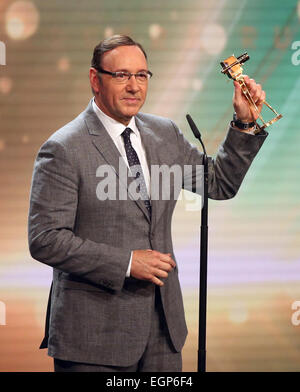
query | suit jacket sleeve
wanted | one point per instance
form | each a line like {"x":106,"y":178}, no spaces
{"x":52,"y":216}
{"x":227,"y":170}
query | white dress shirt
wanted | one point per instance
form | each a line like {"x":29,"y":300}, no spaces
{"x":115,"y":129}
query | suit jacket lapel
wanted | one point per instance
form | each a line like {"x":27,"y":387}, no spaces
{"x":107,"y":148}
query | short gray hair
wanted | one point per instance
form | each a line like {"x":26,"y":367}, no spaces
{"x":111,"y":43}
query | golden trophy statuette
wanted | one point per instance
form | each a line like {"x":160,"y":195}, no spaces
{"x":233,"y":69}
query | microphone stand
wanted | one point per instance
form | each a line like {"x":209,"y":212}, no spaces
{"x":203,"y":257}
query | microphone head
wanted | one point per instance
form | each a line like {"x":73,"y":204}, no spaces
{"x":193,"y":127}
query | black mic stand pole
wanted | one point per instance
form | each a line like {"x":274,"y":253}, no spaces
{"x":203,"y":257}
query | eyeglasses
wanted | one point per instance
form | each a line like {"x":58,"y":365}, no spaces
{"x":124,"y":76}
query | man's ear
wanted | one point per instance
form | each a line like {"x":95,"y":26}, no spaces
{"x":94,"y":80}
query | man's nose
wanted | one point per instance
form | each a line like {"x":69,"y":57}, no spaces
{"x":132,"y":84}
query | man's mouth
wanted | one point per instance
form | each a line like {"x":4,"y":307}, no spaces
{"x":131,"y":99}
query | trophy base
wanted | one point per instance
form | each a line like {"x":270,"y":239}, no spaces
{"x":267,"y":124}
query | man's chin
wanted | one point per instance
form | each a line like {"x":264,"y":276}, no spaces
{"x":125,"y":118}
{"x":131,"y":112}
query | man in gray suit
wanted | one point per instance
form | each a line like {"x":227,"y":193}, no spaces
{"x":116,"y":302}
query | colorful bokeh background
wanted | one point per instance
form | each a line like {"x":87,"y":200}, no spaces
{"x":254,"y":263}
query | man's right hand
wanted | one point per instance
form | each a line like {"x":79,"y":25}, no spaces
{"x":150,"y":265}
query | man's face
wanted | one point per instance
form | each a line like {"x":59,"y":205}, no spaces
{"x":120,"y":101}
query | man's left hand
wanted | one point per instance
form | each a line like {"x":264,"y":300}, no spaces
{"x":245,"y":112}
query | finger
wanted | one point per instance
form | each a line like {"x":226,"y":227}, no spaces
{"x":251,"y":86}
{"x":248,"y":81}
{"x":237,"y":95}
{"x":261,"y":100}
{"x":156,"y":281}
{"x":166,"y":258}
{"x":159,"y":254}
{"x":169,"y":261}
{"x":165,"y":266}
{"x":258,"y":103}
{"x":239,"y":98}
{"x":254,"y":88}
{"x":173,"y":261}
{"x":159,"y":272}
{"x":256,"y":93}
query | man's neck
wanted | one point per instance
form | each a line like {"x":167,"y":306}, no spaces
{"x":104,"y":112}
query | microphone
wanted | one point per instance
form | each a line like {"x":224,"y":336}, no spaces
{"x":196,"y":132}
{"x":203,"y":256}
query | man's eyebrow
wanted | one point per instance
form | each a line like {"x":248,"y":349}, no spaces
{"x":126,"y":70}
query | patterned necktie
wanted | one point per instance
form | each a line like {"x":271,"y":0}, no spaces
{"x":136,"y":168}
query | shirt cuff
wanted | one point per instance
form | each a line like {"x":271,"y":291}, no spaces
{"x":250,"y":131}
{"x":129,"y":266}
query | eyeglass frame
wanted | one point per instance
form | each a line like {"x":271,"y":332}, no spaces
{"x":130,"y":74}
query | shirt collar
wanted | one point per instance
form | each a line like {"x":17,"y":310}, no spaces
{"x":113,"y":127}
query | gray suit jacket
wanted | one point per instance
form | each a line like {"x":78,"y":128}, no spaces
{"x":97,"y":315}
